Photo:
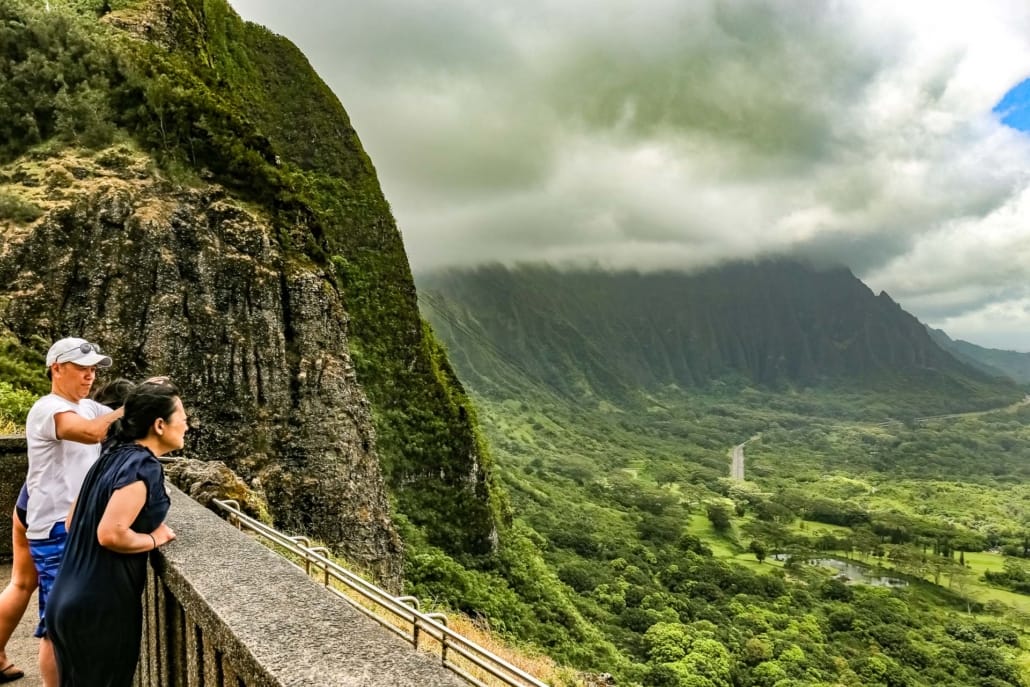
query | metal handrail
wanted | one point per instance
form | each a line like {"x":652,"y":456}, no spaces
{"x":404,"y":608}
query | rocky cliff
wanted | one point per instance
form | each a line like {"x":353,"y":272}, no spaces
{"x":190,"y":283}
{"x":157,"y":197}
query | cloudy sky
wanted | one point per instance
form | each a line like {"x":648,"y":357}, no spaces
{"x":658,"y":134}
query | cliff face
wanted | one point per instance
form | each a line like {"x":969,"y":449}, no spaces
{"x":189,"y":283}
{"x":245,"y":247}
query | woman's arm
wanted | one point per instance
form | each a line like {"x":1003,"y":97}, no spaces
{"x":114,"y":531}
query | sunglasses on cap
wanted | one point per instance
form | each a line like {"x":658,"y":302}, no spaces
{"x":83,"y":348}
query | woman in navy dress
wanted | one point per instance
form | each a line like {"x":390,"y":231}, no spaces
{"x":95,"y":612}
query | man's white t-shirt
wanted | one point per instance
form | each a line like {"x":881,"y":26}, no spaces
{"x":56,"y":468}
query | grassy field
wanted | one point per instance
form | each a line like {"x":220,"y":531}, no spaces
{"x":722,"y":545}
{"x":725,"y":546}
{"x":815,"y":529}
{"x":980,"y":562}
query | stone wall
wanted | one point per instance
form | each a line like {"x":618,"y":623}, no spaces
{"x":13,"y":466}
{"x":222,"y":609}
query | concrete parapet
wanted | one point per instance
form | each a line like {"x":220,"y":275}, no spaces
{"x":14,"y":463}
{"x":222,"y":610}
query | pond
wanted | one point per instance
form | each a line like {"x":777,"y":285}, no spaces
{"x":852,"y":572}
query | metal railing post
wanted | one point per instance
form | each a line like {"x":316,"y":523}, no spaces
{"x":442,"y":619}
{"x":414,"y":603}
{"x":303,"y":543}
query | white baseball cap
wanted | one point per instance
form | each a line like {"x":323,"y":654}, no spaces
{"x":78,"y":351}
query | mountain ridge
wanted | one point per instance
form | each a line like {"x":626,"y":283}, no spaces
{"x":775,"y":323}
{"x":994,"y":361}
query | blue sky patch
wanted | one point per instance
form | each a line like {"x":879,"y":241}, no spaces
{"x":1014,"y":108}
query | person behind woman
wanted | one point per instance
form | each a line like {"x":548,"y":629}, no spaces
{"x":95,"y":611}
{"x":16,"y":595}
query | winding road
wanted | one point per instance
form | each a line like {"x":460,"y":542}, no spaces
{"x":737,"y":462}
{"x":975,"y":413}
{"x":737,"y":459}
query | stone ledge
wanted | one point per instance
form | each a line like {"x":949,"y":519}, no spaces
{"x":13,"y":465}
{"x":278,"y":626}
{"x":11,"y":443}
{"x":273,"y":623}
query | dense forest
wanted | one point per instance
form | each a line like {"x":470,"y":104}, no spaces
{"x":693,"y":574}
{"x":878,"y":538}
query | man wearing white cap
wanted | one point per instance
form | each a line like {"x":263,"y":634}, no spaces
{"x":63,"y":430}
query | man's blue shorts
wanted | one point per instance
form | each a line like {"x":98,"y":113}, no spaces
{"x":46,"y":555}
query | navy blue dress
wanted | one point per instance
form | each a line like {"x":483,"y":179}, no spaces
{"x":94,"y":615}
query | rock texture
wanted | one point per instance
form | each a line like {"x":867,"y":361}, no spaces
{"x":190,"y":283}
{"x":204,"y":480}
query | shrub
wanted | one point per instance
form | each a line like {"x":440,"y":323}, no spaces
{"x":17,"y":210}
{"x":14,"y":406}
{"x":23,"y":367}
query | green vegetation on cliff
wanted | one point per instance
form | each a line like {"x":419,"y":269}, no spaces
{"x":215,"y":98}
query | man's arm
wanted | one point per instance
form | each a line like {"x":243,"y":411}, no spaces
{"x":73,"y":427}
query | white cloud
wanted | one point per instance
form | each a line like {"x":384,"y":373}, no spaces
{"x":679,"y":135}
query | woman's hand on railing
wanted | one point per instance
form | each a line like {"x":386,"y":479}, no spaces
{"x":163,"y":534}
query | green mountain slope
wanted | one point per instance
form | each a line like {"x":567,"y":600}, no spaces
{"x":611,"y":335}
{"x":993,"y":361}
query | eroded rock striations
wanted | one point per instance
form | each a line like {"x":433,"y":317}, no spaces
{"x":190,"y":283}
{"x":773,"y":323}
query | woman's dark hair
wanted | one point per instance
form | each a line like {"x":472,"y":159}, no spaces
{"x":113,"y":393}
{"x":144,"y":404}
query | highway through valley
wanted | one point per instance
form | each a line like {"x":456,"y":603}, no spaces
{"x":737,"y":462}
